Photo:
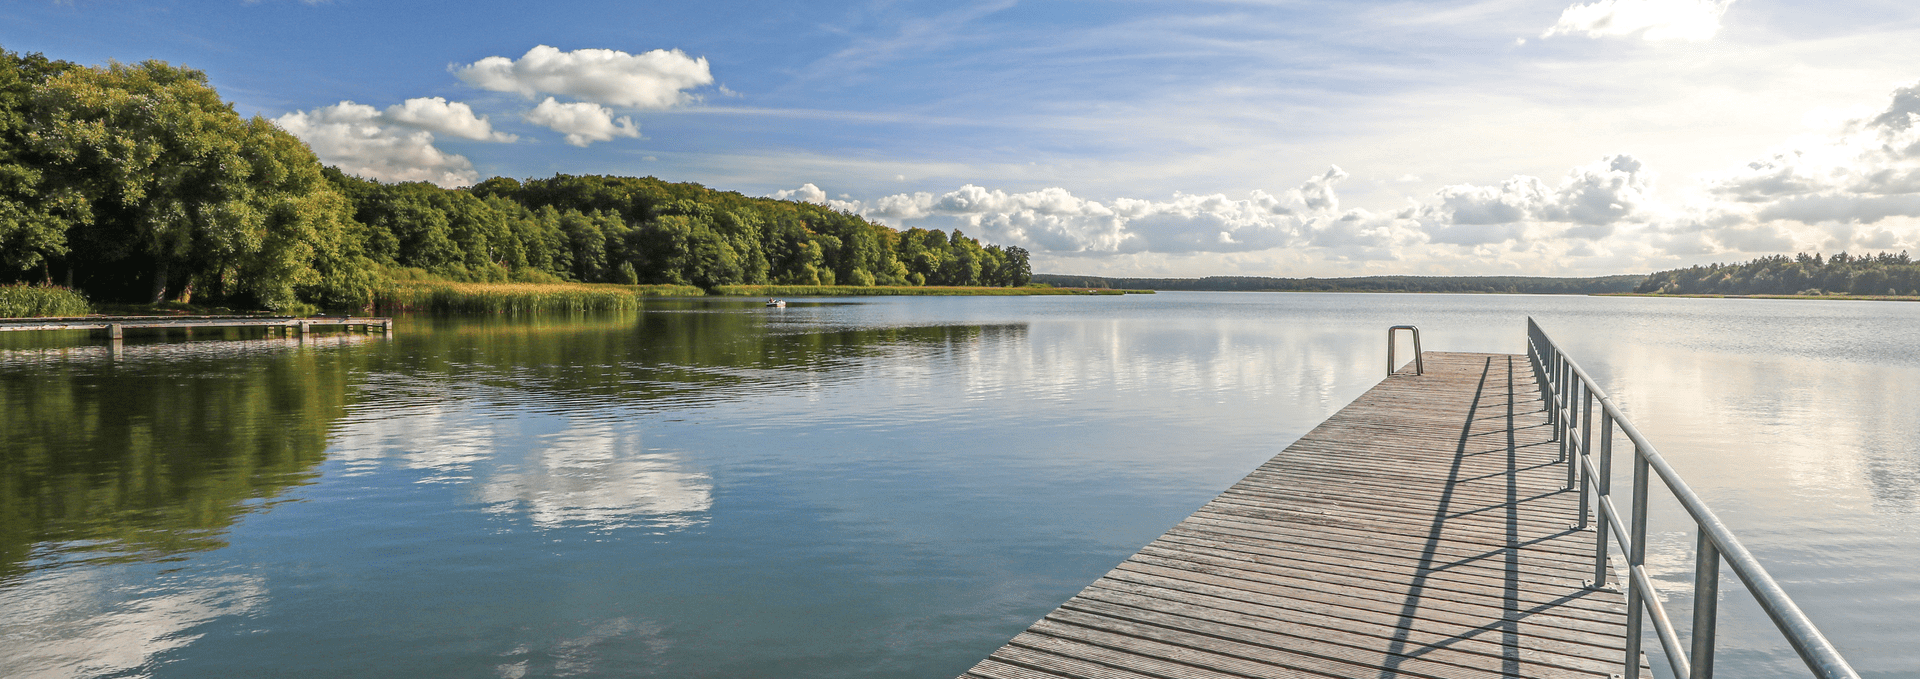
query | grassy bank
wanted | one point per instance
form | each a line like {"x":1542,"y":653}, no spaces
{"x":27,"y":301}
{"x":522,"y":297}
{"x":887,"y":290}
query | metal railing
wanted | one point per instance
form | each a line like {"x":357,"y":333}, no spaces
{"x":1419,"y":364}
{"x":1572,"y":394}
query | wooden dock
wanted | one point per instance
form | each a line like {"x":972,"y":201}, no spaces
{"x":116,"y":326}
{"x":1423,"y":531}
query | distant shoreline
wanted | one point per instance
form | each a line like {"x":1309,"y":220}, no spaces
{"x":1450,"y":284}
{"x":1703,"y":295}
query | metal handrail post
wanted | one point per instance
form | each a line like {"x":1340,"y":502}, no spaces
{"x":1586,"y":440}
{"x":1706,"y":604}
{"x":1604,"y":488}
{"x":1560,"y":402}
{"x":1636,"y":560}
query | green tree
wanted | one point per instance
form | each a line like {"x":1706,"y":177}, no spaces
{"x":175,"y":179}
{"x":34,"y":215}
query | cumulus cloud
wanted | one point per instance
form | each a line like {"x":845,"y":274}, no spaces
{"x":1053,"y":220}
{"x":359,"y":140}
{"x":1866,"y":172}
{"x":582,"y":122}
{"x":1590,"y":200}
{"x":1855,"y":189}
{"x":436,"y":114}
{"x":1652,"y":19}
{"x":650,"y":80}
{"x":818,"y":196}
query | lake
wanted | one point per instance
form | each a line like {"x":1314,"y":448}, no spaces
{"x":869,"y":487}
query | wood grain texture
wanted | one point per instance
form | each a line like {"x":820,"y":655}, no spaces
{"x":1422,"y":531}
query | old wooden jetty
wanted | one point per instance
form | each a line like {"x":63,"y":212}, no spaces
{"x":1432,"y":528}
{"x":116,"y":326}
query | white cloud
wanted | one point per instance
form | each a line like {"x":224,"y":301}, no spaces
{"x":1867,"y":172}
{"x":1054,"y":221}
{"x":807,"y":193}
{"x":1652,"y":19}
{"x":436,"y":114}
{"x":650,"y":80}
{"x":583,"y":123}
{"x":1591,"y":201}
{"x":813,"y":194}
{"x":353,"y":137}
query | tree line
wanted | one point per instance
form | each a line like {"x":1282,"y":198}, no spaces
{"x":1504,"y":284}
{"x":1802,"y":274}
{"x":137,"y":182}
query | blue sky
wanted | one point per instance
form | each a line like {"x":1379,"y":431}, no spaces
{"x":1293,"y":138}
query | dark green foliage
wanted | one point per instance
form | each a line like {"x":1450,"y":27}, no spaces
{"x":1508,"y":284}
{"x":138,"y":183}
{"x":1803,"y":274}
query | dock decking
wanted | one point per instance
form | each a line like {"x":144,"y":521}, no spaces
{"x":117,"y":325}
{"x":1424,"y":530}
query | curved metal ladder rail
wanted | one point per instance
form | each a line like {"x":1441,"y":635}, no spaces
{"x":1572,"y":394}
{"x":1419,"y":364}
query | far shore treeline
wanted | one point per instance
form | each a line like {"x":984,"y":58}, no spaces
{"x":1506,"y":284}
{"x":138,"y":183}
{"x":1802,"y":274}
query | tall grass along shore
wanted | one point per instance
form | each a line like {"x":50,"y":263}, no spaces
{"x":890,"y":290}
{"x":522,"y":297}
{"x":28,"y":301}
{"x":22,"y":301}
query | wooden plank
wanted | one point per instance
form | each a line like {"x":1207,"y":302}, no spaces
{"x":186,"y":322}
{"x":1422,"y":531}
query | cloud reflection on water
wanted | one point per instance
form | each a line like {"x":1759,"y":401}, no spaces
{"x":80,"y":623}
{"x":592,"y":473}
{"x":598,"y":477}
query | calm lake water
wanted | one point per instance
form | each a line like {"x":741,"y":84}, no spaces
{"x":886,"y":487}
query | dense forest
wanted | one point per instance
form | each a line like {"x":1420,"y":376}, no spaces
{"x":1802,"y":274}
{"x":137,"y":182}
{"x":1507,"y":284}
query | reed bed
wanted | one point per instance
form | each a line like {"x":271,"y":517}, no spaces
{"x":878,"y":290}
{"x":28,"y":301}
{"x":523,"y":297}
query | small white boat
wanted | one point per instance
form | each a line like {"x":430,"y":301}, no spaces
{"x":777,"y":303}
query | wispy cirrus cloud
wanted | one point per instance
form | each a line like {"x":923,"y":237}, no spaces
{"x":1651,"y":19}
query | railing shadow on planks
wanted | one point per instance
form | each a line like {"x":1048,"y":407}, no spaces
{"x":1574,"y":393}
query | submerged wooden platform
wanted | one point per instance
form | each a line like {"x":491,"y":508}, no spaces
{"x":117,"y":325}
{"x":1422,"y":531}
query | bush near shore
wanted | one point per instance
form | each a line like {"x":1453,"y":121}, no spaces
{"x":27,"y":301}
{"x":522,"y":297}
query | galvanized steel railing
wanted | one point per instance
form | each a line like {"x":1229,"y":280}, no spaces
{"x":1572,"y":394}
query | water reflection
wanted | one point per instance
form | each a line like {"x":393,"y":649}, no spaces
{"x":598,"y":477}
{"x":878,"y":488}
{"x":80,"y":623}
{"x":157,"y":454}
